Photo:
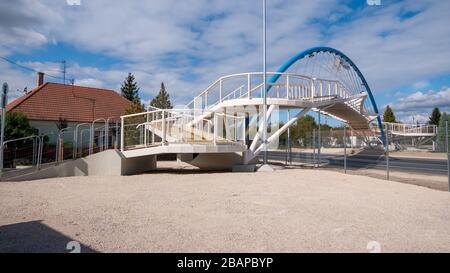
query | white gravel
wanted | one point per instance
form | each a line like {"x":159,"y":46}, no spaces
{"x":283,"y":211}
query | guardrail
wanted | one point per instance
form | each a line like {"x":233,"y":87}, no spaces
{"x":35,"y":150}
{"x":162,"y":127}
{"x":410,"y":129}
{"x":249,"y":85}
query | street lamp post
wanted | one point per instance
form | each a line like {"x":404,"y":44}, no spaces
{"x":264,"y":136}
{"x":4,"y":102}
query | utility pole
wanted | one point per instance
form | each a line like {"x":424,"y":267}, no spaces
{"x":4,"y":102}
{"x":264,"y":85}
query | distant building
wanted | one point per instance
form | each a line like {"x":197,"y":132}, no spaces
{"x":51,"y":104}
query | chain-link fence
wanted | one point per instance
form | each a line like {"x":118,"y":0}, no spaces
{"x":363,"y":152}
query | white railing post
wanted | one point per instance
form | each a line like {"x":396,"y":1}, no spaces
{"x":220,"y":90}
{"x":243,"y":130}
{"x":145,"y":129}
{"x":163,"y":127}
{"x":215,"y":129}
{"x":249,"y":86}
{"x":321,"y":89}
{"x":287,"y":87}
{"x":312,"y":88}
{"x":91,"y":139}
{"x":116,"y":140}
{"x":153,"y":133}
{"x":122,"y":134}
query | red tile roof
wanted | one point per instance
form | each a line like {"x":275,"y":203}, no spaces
{"x":52,"y":101}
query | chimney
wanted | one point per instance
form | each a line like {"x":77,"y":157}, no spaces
{"x":40,"y":79}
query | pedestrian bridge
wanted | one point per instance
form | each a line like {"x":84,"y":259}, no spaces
{"x":410,"y":130}
{"x":227,"y":117}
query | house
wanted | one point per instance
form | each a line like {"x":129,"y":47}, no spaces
{"x":51,"y":106}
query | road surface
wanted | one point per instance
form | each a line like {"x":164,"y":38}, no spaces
{"x":359,"y":161}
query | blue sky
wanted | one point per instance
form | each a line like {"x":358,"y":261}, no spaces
{"x":400,"y":46}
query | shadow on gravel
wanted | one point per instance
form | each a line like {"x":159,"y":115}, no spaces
{"x":36,"y":237}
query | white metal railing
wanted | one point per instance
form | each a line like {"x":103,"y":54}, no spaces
{"x":39,"y":150}
{"x":165,"y":126}
{"x":35,"y":157}
{"x":249,"y":85}
{"x":410,"y":129}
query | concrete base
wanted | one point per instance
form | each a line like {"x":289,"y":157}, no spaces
{"x":265,"y":168}
{"x":249,"y":168}
{"x":213,"y":161}
{"x":107,"y":163}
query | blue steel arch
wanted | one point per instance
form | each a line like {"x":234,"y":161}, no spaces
{"x":310,"y":51}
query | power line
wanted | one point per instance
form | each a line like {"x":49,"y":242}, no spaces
{"x":35,"y":71}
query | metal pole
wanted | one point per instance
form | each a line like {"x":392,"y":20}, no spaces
{"x":314,"y":145}
{"x":319,"y":142}
{"x":163,"y":127}
{"x":57,"y":147}
{"x":106,"y":144}
{"x":264,"y":85}
{"x":39,"y":155}
{"x":289,"y":138}
{"x":121,"y":134}
{"x":4,"y":102}
{"x":448,"y":154}
{"x":116,"y":141}
{"x":91,"y":139}
{"x":387,"y":153}
{"x":345,"y":149}
{"x":3,"y":111}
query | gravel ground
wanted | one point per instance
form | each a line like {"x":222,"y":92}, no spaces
{"x":188,"y":211}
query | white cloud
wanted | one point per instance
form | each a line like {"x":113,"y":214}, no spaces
{"x":421,"y":84}
{"x":90,"y":82}
{"x":420,"y":104}
{"x":188,"y":44}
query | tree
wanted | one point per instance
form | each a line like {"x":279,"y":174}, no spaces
{"x":136,"y":107}
{"x":62,"y":123}
{"x":302,"y":131}
{"x":130,"y":89}
{"x":389,"y":115}
{"x":17,"y":125}
{"x":162,"y":100}
{"x":441,"y":132}
{"x":435,"y":117}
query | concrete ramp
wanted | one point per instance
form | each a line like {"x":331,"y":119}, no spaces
{"x":344,"y":112}
{"x":109,"y":163}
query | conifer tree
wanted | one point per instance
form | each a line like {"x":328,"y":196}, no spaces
{"x":445,"y":118}
{"x":162,"y":100}
{"x":389,"y":115}
{"x":130,"y":89}
{"x":435,"y":116}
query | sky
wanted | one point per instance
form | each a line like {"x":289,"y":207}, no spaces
{"x":401,"y":47}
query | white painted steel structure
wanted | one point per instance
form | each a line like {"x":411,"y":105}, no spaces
{"x":218,"y":120}
{"x":412,"y":130}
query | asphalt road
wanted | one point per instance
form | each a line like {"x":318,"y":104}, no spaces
{"x":359,"y":161}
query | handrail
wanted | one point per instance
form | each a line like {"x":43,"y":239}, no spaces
{"x":339,"y":88}
{"x":17,"y":139}
{"x":405,"y":128}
